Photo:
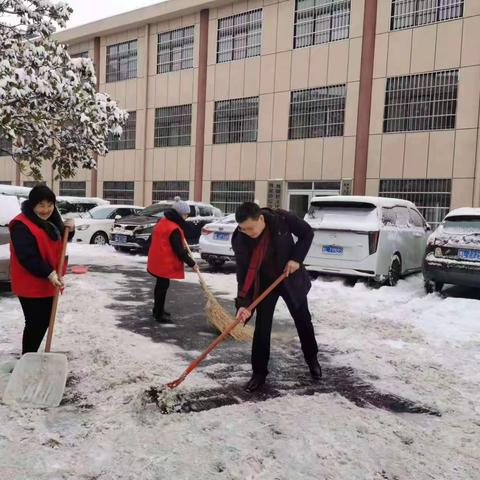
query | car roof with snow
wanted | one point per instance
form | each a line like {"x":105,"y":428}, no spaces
{"x":464,"y":212}
{"x":70,"y":199}
{"x":190,"y":202}
{"x":377,"y":201}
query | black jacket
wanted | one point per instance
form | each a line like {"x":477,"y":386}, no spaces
{"x":282,"y":226}
{"x":176,"y":239}
{"x":25,"y":244}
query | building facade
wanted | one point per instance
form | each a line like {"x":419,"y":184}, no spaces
{"x":281,"y":100}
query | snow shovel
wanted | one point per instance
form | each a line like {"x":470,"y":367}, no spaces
{"x":194,"y":364}
{"x":38,"y":379}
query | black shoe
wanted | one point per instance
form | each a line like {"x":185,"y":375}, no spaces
{"x":163,"y":319}
{"x":255,"y":382}
{"x":315,"y":369}
{"x":166,"y":314}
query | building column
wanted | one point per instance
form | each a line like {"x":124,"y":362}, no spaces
{"x":146,"y":66}
{"x":201,"y":104}
{"x":96,"y":64}
{"x":365,"y":97}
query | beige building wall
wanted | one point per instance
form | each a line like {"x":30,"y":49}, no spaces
{"x":272,"y":76}
{"x":429,"y":154}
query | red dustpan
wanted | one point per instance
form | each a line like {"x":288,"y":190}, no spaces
{"x":79,"y":269}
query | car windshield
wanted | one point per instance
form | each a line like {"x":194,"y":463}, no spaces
{"x":156,"y":210}
{"x":99,"y":214}
{"x":464,"y":225}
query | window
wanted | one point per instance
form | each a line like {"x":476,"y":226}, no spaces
{"x":175,"y":50}
{"x":170,"y":190}
{"x":122,"y":61}
{"x":127,"y":140}
{"x":411,"y":13}
{"x":122,"y":212}
{"x":274,"y":195}
{"x":5,"y":182}
{"x":73,"y":189}
{"x":32,"y":183}
{"x":227,"y":196}
{"x":317,"y":112}
{"x":119,"y":192}
{"x":321,"y":21}
{"x":416,"y":219}
{"x":205,"y":211}
{"x":173,"y":126}
{"x":5,"y":146}
{"x":79,"y":55}
{"x":236,"y":120}
{"x":239,"y":36}
{"x":388,"y":216}
{"x":431,"y":196}
{"x":401,"y":214}
{"x":421,"y":102}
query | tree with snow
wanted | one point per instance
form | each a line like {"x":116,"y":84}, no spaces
{"x":49,"y":108}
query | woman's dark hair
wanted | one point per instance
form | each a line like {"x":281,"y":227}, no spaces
{"x":39,"y":193}
{"x":247,"y":210}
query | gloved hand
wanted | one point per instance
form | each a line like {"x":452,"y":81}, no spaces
{"x":244,"y":314}
{"x":55,"y":280}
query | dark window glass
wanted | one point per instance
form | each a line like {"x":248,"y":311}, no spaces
{"x":127,"y":140}
{"x":122,"y":61}
{"x":119,"y":192}
{"x":175,"y":50}
{"x":73,"y":189}
{"x":168,"y":190}
{"x":228,"y":195}
{"x":173,"y":126}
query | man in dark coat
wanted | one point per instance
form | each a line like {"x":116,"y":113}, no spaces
{"x":265,"y":248}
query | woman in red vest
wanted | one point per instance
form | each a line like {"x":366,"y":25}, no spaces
{"x":36,"y":244}
{"x":167,"y":255}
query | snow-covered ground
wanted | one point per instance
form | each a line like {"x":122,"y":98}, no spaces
{"x":423,"y":348}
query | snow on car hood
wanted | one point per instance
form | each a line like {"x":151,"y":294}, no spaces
{"x":356,"y":220}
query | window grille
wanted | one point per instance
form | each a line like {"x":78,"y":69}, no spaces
{"x":73,"y":189}
{"x":173,"y":126}
{"x":317,"y":112}
{"x":127,"y":140}
{"x":175,"y":50}
{"x":321,"y":21}
{"x":229,"y":195}
{"x":412,"y":13}
{"x":239,"y":36}
{"x":421,"y":102}
{"x":122,"y":61}
{"x":168,"y":190}
{"x":431,"y":196}
{"x":236,"y":121}
{"x":119,"y":192}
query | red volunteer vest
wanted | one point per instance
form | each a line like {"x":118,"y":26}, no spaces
{"x":162,"y":261}
{"x":24,"y":284}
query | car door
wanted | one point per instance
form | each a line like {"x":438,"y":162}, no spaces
{"x":418,"y":240}
{"x":192,"y":226}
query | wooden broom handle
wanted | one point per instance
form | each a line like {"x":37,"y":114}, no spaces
{"x":53,"y":314}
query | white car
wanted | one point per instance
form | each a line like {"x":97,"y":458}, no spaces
{"x":378,"y":238}
{"x":9,"y":209}
{"x":215,"y":244}
{"x":95,"y":226}
{"x":74,"y":207}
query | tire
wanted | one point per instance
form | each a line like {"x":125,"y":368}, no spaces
{"x":350,"y":281}
{"x":215,"y":262}
{"x":394,"y":272}
{"x":431,"y":286}
{"x":99,"y":238}
{"x":438,"y":287}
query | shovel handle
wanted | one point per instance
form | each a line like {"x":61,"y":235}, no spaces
{"x":224,"y":334}
{"x":53,"y":314}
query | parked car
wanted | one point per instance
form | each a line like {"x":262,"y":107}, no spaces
{"x":134,"y":232}
{"x":215,"y":243}
{"x":9,"y":209}
{"x":73,"y":207}
{"x":453,"y":251}
{"x":96,"y":225}
{"x":377,"y":238}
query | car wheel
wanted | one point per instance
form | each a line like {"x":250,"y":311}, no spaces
{"x":431,"y":287}
{"x":215,"y":262}
{"x":99,"y":238}
{"x":395,"y":271}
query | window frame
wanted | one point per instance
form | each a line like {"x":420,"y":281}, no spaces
{"x":127,"y":140}
{"x":119,"y":199}
{"x":126,"y":62}
{"x":181,"y":40}
{"x":179,"y":132}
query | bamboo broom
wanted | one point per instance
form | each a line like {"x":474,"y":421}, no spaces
{"x":217,"y":316}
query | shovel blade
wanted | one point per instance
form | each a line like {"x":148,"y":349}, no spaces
{"x":38,"y":380}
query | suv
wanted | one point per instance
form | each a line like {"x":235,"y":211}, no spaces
{"x":9,"y":209}
{"x":453,"y":251}
{"x":134,"y":232}
{"x":373,"y":237}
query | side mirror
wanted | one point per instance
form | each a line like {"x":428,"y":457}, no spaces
{"x":118,"y":217}
{"x":428,"y":227}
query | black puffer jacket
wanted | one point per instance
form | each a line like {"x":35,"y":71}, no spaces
{"x":282,"y":226}
{"x":25,"y":244}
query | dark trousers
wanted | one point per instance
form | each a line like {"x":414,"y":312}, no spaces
{"x":263,"y":329}
{"x":37,"y":316}
{"x":160,"y":294}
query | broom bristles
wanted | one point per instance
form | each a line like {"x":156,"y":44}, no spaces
{"x":219,"y":318}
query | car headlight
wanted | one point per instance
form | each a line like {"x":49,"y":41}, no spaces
{"x":438,"y":252}
{"x":83,"y":227}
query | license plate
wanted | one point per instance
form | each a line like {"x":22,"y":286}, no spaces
{"x":469,"y":254}
{"x":121,"y":238}
{"x":332,"y":250}
{"x":221,"y":236}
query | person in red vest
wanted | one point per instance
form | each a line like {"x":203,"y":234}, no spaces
{"x":35,"y":247}
{"x":167,"y":255}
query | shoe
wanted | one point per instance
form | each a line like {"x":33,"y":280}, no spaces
{"x":166,"y":314}
{"x":255,"y":382}
{"x":163,"y":319}
{"x":315,"y":369}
